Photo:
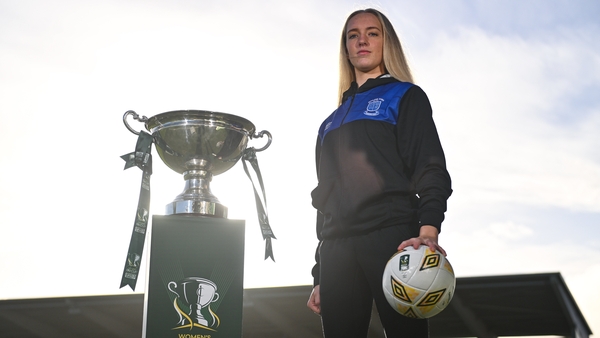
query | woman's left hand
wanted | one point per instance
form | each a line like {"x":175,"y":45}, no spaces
{"x":428,"y":235}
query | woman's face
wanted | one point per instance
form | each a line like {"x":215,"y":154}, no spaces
{"x":364,"y":44}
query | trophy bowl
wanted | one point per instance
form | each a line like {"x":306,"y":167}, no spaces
{"x":198,"y":144}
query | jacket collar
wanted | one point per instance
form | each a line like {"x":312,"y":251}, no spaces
{"x":370,"y":84}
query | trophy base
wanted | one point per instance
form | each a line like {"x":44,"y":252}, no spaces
{"x":196,"y":207}
{"x":203,"y":250}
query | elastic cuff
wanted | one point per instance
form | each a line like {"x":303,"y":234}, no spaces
{"x":432,"y":218}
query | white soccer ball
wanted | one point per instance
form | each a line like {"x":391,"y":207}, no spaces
{"x":418,"y":283}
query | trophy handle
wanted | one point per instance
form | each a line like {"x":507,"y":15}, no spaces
{"x":170,"y":286}
{"x":261,"y":134}
{"x":215,"y":297}
{"x":143,"y":119}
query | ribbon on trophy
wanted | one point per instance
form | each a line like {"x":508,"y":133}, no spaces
{"x":263,"y":218}
{"x":142,"y":159}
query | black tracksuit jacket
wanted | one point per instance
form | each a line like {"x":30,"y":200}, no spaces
{"x":373,"y":173}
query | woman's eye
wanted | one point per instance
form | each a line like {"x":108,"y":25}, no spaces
{"x":352,"y":36}
{"x":373,"y":34}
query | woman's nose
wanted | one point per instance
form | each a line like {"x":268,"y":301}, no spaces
{"x":362,"y":40}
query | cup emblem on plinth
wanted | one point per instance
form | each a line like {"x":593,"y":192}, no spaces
{"x":199,"y":145}
{"x":192,"y":304}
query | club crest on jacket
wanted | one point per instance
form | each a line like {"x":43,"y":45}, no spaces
{"x":373,"y":107}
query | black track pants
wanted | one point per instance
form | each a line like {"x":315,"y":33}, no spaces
{"x":351,"y":272}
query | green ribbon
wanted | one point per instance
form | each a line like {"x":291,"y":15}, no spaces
{"x":142,"y":159}
{"x":263,"y":218}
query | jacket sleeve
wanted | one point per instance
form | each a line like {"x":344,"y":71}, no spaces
{"x":316,"y":270}
{"x":317,"y":267}
{"x":425,"y":164}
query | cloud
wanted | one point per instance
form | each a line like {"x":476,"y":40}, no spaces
{"x":509,"y":230}
{"x":499,"y":102}
{"x":492,"y":250}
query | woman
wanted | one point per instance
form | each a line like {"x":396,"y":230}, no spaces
{"x":383,"y":183}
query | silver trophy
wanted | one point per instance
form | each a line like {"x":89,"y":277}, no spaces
{"x":195,"y":296}
{"x":199,"y":145}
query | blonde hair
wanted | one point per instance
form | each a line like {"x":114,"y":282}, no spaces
{"x":394,"y":61}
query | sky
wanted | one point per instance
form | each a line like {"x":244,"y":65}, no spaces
{"x":513,"y":85}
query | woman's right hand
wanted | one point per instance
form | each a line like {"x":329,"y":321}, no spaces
{"x":314,"y":302}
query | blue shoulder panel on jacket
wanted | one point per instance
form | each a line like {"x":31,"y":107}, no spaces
{"x":378,"y":104}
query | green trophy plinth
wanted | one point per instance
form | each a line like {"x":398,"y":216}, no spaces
{"x":195,"y":278}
